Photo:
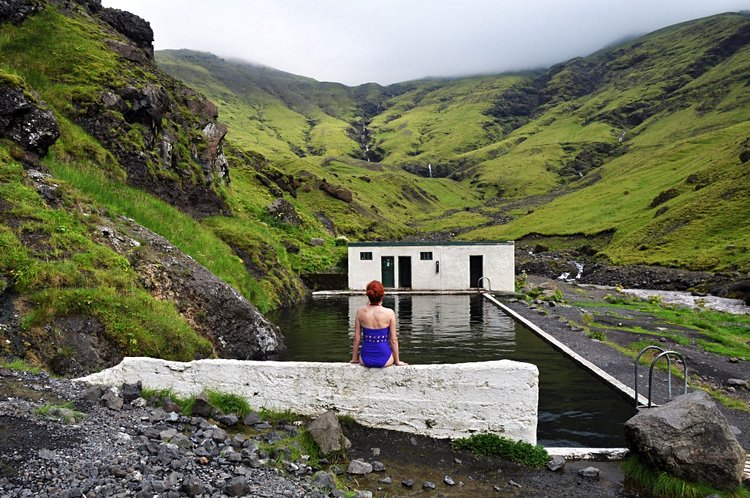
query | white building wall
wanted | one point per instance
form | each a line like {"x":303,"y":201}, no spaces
{"x":453,"y":260}
{"x":442,"y":401}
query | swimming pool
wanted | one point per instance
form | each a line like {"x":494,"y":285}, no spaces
{"x":575,"y":407}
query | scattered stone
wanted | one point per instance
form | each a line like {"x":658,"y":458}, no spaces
{"x":734,"y":360}
{"x":131,"y":392}
{"x":458,"y":461}
{"x":237,"y":486}
{"x":359,"y":467}
{"x":111,"y":399}
{"x":449,"y":481}
{"x":202,"y":407}
{"x":589,"y":473}
{"x":228,"y":420}
{"x":514,"y":483}
{"x":316,"y":241}
{"x":170,"y":406}
{"x":688,"y":438}
{"x":251,"y":419}
{"x":737,"y":383}
{"x":326,"y":431}
{"x":556,"y":463}
{"x":386,"y":480}
{"x":375,"y":451}
{"x":378,"y":466}
{"x":428,"y":485}
{"x":407,"y":483}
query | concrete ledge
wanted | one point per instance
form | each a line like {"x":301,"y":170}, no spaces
{"x":442,"y":401}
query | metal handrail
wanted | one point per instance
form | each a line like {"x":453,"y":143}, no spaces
{"x":636,"y":369}
{"x":651,"y":373}
{"x":479,"y":283}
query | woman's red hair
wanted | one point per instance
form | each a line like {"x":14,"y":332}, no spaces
{"x":375,"y":292}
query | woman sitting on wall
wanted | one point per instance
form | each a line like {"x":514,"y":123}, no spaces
{"x":375,"y":327}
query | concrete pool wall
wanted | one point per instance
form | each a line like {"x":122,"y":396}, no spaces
{"x":442,"y":401}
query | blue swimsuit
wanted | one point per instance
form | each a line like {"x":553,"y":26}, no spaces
{"x":376,"y":350}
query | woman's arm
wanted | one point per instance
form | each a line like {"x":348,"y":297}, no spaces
{"x":357,"y":338}
{"x":393,"y":336}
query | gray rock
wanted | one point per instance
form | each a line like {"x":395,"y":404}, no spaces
{"x":316,"y":241}
{"x":237,"y":486}
{"x":688,"y":438}
{"x":589,"y":473}
{"x":386,"y":480}
{"x":449,"y":481}
{"x":111,"y":399}
{"x":284,"y":211}
{"x":428,"y":485}
{"x":359,"y":467}
{"x":131,"y":392}
{"x":737,"y":383}
{"x":228,"y":420}
{"x":378,"y":466}
{"x":326,"y":431}
{"x":192,"y":486}
{"x":251,"y":418}
{"x":407,"y":483}
{"x":556,"y":463}
{"x":202,"y":407}
{"x":323,"y":481}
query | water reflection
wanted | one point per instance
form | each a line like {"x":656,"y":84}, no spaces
{"x":575,"y":408}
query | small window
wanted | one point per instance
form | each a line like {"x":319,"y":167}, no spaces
{"x":365,"y":256}
{"x":425,"y":256}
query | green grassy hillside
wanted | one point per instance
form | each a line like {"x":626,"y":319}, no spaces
{"x":645,"y":142}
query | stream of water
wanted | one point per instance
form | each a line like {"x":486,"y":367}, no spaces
{"x":575,"y":408}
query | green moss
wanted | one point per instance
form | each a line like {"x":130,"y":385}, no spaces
{"x":515,"y":451}
{"x":20,"y":365}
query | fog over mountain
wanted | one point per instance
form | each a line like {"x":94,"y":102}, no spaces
{"x":388,"y":41}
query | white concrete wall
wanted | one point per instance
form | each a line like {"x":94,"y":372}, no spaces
{"x":498,"y":265}
{"x":442,"y":401}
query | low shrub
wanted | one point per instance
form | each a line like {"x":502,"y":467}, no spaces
{"x":515,"y":451}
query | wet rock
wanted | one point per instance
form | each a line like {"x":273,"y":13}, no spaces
{"x":690,"y":439}
{"x":589,"y":473}
{"x":326,"y":431}
{"x":359,"y":467}
{"x":556,"y":463}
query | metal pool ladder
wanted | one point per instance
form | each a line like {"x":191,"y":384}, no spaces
{"x":662,"y":354}
{"x":489,"y":284}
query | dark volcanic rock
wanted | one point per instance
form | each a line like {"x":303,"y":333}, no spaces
{"x":283,"y":210}
{"x":216,"y":310}
{"x":16,"y":11}
{"x":688,"y":438}
{"x":24,"y":121}
{"x":336,"y":191}
{"x":133,"y":27}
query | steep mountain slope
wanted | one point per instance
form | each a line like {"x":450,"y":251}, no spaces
{"x":636,"y":153}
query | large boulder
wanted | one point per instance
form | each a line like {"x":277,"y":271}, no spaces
{"x":284,"y":211}
{"x":688,"y":438}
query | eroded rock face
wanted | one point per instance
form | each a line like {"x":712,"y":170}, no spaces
{"x":26,"y":122}
{"x":133,"y":27}
{"x":688,"y":438}
{"x":216,"y":310}
{"x":284,"y":211}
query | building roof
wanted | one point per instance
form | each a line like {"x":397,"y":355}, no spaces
{"x":431,"y":244}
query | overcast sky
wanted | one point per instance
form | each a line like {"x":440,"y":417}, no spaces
{"x":388,"y":41}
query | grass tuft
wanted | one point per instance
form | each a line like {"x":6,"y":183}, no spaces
{"x":515,"y":451}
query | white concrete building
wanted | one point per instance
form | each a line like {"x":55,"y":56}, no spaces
{"x":425,"y":266}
